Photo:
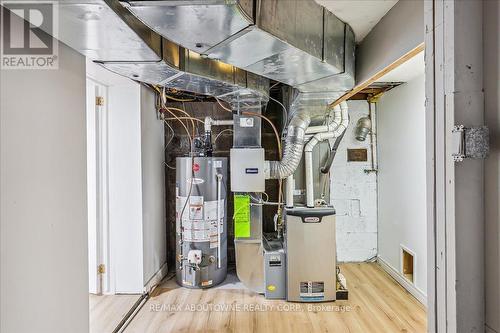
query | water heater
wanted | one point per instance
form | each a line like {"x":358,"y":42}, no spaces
{"x":201,"y":228}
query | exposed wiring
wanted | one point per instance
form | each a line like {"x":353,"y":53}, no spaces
{"x":183,"y":125}
{"x":190,"y":118}
{"x":278,"y":140}
{"x":168,"y":166}
{"x":266,"y":203}
{"x":219,"y":134}
{"x":177,"y":99}
{"x":180,"y":99}
{"x":163,"y":100}
{"x":274,"y":85}
{"x":187,"y":115}
{"x":249,"y":113}
{"x":222,"y":106}
{"x":169,"y":141}
{"x":172,"y":135}
{"x":278,"y":143}
{"x":285,"y":113}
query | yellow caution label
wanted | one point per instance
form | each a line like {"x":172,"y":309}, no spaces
{"x":271,"y":287}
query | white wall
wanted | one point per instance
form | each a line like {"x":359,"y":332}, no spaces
{"x":43,"y":190}
{"x":137,"y":222}
{"x":353,"y":193}
{"x":92,"y":187}
{"x":125,"y":192}
{"x":401,"y":177}
{"x":398,"y":32}
{"x":491,"y":35}
{"x":154,"y":226}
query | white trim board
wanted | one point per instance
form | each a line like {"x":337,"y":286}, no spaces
{"x":411,"y":288}
{"x":156,"y":278}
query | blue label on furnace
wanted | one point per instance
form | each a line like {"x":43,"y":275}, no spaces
{"x":252,"y":170}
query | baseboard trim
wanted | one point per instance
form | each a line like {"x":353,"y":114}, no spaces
{"x":156,"y":278}
{"x":394,"y":273}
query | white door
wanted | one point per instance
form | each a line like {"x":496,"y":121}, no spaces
{"x":97,"y":183}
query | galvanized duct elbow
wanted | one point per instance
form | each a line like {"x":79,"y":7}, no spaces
{"x":294,"y":145}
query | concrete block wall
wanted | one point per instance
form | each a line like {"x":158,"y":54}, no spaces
{"x":353,"y":193}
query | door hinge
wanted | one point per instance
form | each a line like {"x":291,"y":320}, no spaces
{"x":101,"y":269}
{"x":470,"y":142}
{"x":99,"y":101}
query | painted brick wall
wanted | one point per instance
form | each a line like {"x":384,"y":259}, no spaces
{"x":354,"y":195}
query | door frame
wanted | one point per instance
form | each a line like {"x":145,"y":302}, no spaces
{"x":98,"y":119}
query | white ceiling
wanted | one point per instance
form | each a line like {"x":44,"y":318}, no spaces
{"x":406,"y":71}
{"x":361,"y":15}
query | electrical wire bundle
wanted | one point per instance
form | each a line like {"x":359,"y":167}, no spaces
{"x":186,"y":120}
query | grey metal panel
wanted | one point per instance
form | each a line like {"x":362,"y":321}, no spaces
{"x":299,"y":23}
{"x":201,"y":85}
{"x":274,"y":269}
{"x":218,"y":70}
{"x":247,"y":47}
{"x":339,"y":82}
{"x":293,"y":66}
{"x":246,"y":137}
{"x":334,"y":36}
{"x":250,"y":264}
{"x":160,"y":73}
{"x":152,"y":73}
{"x":195,"y":26}
{"x":295,"y":42}
{"x":258,"y":83}
{"x":96,"y":31}
{"x":311,"y":256}
{"x":243,"y":159}
{"x":259,"y":52}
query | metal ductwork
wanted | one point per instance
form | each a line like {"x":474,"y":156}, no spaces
{"x":298,"y":43}
{"x":222,"y":48}
{"x":294,"y":145}
{"x":107,"y":33}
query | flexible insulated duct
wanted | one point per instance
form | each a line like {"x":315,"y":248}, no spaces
{"x":294,"y":145}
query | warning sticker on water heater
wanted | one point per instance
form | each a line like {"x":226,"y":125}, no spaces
{"x":211,"y":209}
{"x":199,"y":219}
{"x":201,"y":231}
{"x":312,"y":290}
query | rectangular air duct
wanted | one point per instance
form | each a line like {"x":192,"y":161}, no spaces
{"x":299,"y":43}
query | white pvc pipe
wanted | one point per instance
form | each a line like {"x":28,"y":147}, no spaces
{"x":329,"y":127}
{"x":309,"y":171}
{"x":318,"y":137}
{"x":373,"y":135}
{"x":219,"y":188}
{"x":290,"y":186}
{"x":209,"y":122}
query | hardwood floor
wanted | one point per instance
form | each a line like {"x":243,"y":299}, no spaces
{"x":107,"y":311}
{"x":377,"y":303}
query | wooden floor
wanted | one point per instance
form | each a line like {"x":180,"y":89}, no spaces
{"x":376,"y":303}
{"x":107,"y":311}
